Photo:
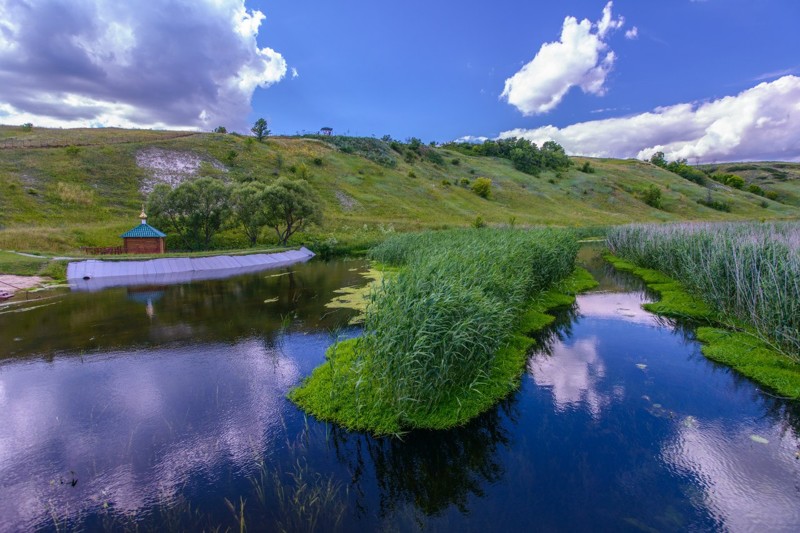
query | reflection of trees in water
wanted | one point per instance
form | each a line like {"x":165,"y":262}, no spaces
{"x":431,"y":470}
{"x":558,"y":331}
{"x":215,"y":310}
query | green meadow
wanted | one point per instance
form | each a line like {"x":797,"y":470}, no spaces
{"x":71,"y":188}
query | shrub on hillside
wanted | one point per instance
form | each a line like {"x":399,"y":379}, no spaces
{"x":482,"y":187}
{"x":652,"y":196}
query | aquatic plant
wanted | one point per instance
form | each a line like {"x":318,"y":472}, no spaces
{"x":749,"y":273}
{"x":442,"y":332}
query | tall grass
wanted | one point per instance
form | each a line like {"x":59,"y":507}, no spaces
{"x":431,"y":333}
{"x":748,"y":272}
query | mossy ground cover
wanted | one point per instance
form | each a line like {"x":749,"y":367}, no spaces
{"x":440,"y":367}
{"x":729,"y":344}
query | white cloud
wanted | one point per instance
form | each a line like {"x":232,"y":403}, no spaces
{"x":581,"y":58}
{"x":295,"y":74}
{"x":760,"y":123}
{"x":471,"y":139}
{"x":632,"y":33}
{"x":146,"y":64}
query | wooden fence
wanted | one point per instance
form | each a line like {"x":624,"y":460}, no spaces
{"x":102,"y":250}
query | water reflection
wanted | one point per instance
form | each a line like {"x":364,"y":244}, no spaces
{"x":572,"y":372}
{"x":438,"y":470}
{"x":83,"y":434}
{"x":212,"y":311}
{"x":164,"y":408}
{"x":735,"y":468}
{"x":625,"y":306}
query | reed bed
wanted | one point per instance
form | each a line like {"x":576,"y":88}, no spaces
{"x":435,"y":333}
{"x":748,"y":272}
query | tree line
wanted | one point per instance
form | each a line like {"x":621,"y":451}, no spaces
{"x":524,"y":155}
{"x":198,"y":209}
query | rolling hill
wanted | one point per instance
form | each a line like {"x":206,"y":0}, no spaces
{"x":62,"y":189}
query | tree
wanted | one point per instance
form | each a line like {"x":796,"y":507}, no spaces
{"x":220,"y":129}
{"x":291,"y":205}
{"x":658,"y":160}
{"x":248,"y":206}
{"x":259,"y":129}
{"x":195,"y":209}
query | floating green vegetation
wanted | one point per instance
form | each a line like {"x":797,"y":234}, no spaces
{"x":733,"y":344}
{"x":444,"y":339}
{"x":356,"y":298}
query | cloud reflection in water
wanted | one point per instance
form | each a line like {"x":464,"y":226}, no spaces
{"x":133,"y":427}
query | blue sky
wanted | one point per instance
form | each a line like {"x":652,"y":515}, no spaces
{"x":684,"y":75}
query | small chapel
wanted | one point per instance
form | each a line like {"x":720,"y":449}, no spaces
{"x":144,"y":238}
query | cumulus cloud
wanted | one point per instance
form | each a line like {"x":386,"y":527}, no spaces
{"x":581,"y":58}
{"x":632,"y":33}
{"x":172,"y":63}
{"x":472,"y":139}
{"x":761,"y":123}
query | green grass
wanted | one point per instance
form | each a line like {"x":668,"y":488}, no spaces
{"x":57,"y":200}
{"x":747,"y":273}
{"x":675,"y":301}
{"x":741,"y":350}
{"x":445,"y":338}
{"x":20,"y":265}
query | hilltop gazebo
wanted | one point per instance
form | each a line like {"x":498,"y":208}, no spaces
{"x":144,"y":238}
{"x":326,"y":130}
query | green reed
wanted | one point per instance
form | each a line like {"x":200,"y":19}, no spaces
{"x":748,"y":272}
{"x":431,"y":332}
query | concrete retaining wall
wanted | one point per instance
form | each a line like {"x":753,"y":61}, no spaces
{"x":93,"y":275}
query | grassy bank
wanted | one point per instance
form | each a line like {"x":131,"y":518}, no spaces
{"x":88,"y":188}
{"x":445,"y":338}
{"x":20,"y":265}
{"x":718,"y":292}
{"x":748,"y":273}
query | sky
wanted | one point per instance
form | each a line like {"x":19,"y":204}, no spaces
{"x":705,"y":80}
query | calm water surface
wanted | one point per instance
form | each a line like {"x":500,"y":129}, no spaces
{"x":164,"y":408}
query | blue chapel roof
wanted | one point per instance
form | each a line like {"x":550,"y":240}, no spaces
{"x":143,"y":231}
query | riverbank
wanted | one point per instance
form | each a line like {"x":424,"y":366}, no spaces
{"x":11,"y":284}
{"x":736,"y":347}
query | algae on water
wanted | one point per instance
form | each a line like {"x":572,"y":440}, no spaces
{"x":357,"y":298}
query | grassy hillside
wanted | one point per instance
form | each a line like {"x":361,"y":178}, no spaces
{"x":783,"y":178}
{"x":68,"y":188}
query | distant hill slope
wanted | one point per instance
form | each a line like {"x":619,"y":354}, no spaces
{"x":67,"y":188}
{"x":781,"y":177}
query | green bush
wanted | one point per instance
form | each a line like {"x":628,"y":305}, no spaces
{"x":482,"y":187}
{"x":731,"y":180}
{"x":652,"y":196}
{"x":587,"y":168}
